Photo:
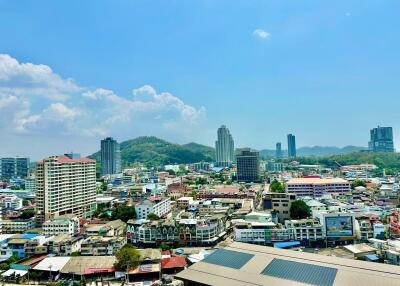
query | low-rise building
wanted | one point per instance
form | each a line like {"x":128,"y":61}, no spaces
{"x":108,"y":229}
{"x":17,"y":225}
{"x":64,"y":245}
{"x":279,"y":203}
{"x":205,"y":231}
{"x":67,"y":224}
{"x":258,"y":228}
{"x":147,"y":207}
{"x":316,"y":187}
{"x":306,"y":230}
{"x":99,"y":245}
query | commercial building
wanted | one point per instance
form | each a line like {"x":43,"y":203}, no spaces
{"x":10,"y":202}
{"x":147,"y":207}
{"x":65,"y":186}
{"x":224,"y":147}
{"x":316,"y":187}
{"x":258,"y":228}
{"x":279,"y":153}
{"x":67,"y":224}
{"x":110,"y":157}
{"x":279,"y":203}
{"x":247,"y":264}
{"x":207,"y":231}
{"x":248,"y":166}
{"x":14,"y":167}
{"x":291,"y":139}
{"x":381,"y":139}
{"x":305,"y":230}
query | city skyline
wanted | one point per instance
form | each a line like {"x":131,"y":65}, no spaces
{"x":181,"y":80}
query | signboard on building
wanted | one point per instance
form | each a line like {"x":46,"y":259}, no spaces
{"x":339,"y":226}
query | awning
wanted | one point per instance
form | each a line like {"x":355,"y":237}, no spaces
{"x":372,"y":257}
{"x":10,"y":272}
{"x":286,"y":244}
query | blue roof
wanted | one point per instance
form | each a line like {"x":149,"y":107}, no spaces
{"x":301,"y":272}
{"x":29,"y":235}
{"x":286,"y":244}
{"x":228,"y":258}
{"x":372,"y":257}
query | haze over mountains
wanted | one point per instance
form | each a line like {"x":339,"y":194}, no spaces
{"x":155,"y":151}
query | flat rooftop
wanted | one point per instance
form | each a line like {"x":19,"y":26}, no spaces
{"x":316,"y":181}
{"x":247,"y":264}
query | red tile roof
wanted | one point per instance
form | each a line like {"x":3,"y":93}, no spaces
{"x":173,"y":262}
{"x":65,"y":159}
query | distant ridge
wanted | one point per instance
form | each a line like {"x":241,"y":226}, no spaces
{"x":317,"y":151}
{"x":154,"y":151}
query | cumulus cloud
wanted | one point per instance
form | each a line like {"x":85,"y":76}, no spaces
{"x":27,"y":79}
{"x":260,"y":33}
{"x":34,"y":99}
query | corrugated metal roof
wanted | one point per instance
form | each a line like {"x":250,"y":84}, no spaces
{"x":228,"y":258}
{"x":301,"y":272}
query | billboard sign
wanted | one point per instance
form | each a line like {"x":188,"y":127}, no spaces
{"x":339,"y":226}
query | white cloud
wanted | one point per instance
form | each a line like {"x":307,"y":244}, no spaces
{"x":34,"y":99}
{"x":27,"y":79}
{"x":260,"y":33}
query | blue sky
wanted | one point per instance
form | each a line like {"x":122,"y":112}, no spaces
{"x":72,"y":72}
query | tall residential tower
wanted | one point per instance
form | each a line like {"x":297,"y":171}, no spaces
{"x":110,"y":157}
{"x":224,"y":148}
{"x":65,"y":186}
{"x":291,"y":139}
{"x":278,"y":154}
{"x":381,"y":139}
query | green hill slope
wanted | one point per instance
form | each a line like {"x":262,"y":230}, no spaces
{"x":153,"y":151}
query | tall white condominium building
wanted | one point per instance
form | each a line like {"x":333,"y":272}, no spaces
{"x":110,"y":157}
{"x":224,"y":147}
{"x":65,"y":186}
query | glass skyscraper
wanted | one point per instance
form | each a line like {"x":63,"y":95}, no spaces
{"x":381,"y":139}
{"x":224,"y":147}
{"x":291,"y":139}
{"x":110,"y":157}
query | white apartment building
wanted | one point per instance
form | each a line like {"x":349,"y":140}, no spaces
{"x":61,"y":225}
{"x":305,"y":229}
{"x":10,"y":202}
{"x":65,"y":186}
{"x":17,"y":225}
{"x":147,"y":207}
{"x":316,"y":187}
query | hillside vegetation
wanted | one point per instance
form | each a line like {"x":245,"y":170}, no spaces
{"x":153,"y":151}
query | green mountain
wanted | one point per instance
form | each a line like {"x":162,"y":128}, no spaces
{"x":153,"y":151}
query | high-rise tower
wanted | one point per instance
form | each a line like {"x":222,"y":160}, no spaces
{"x":291,"y":146}
{"x":224,"y":147}
{"x":110,"y":157}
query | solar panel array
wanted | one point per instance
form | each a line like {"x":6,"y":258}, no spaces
{"x":301,"y":272}
{"x":228,"y":258}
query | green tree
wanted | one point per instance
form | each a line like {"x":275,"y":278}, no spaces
{"x":358,"y":183}
{"x":127,"y":257}
{"x":27,"y":214}
{"x":277,"y":187}
{"x":201,"y":181}
{"x":124,"y":213}
{"x":153,"y":216}
{"x":164,"y":246}
{"x":299,"y":210}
